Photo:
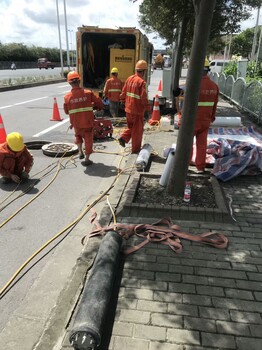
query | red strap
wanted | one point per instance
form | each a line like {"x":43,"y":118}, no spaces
{"x":163,"y":231}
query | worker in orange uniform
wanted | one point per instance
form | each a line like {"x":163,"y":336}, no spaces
{"x":78,"y":103}
{"x":15,"y":159}
{"x":134,"y":95}
{"x":112,"y":91}
{"x":207,"y":104}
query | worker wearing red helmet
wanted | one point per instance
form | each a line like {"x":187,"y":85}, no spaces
{"x":112,"y":91}
{"x":15,"y":159}
{"x":207,"y":104}
{"x":134,"y":95}
{"x":78,"y":103}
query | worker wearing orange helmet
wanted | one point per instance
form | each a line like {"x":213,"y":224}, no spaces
{"x":112,"y":91}
{"x":15,"y":159}
{"x":134,"y":95}
{"x":207,"y":104}
{"x":79,"y":103}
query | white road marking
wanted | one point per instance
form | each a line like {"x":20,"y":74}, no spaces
{"x":21,"y":103}
{"x":51,"y":128}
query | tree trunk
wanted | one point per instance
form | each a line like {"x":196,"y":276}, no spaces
{"x":204,"y":13}
{"x":178,"y":56}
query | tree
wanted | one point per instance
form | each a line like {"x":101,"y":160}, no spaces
{"x":242,"y":43}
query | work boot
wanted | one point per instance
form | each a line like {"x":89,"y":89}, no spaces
{"x":87,"y":162}
{"x":122,"y":142}
{"x":6,"y":180}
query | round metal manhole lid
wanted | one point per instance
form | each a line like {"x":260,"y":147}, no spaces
{"x":59,"y":149}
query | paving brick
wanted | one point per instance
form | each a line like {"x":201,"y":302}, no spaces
{"x":258,"y":296}
{"x":222,"y":282}
{"x":181,"y":287}
{"x":254,"y":276}
{"x":182,"y":309}
{"x":232,"y":328}
{"x":149,"y":275}
{"x":166,"y":320}
{"x":124,"y":303}
{"x":154,"y":285}
{"x":135,"y":316}
{"x":256,"y":331}
{"x":196,"y":299}
{"x":248,"y":343}
{"x":236,"y":304}
{"x":183,"y":336}
{"x":195,"y":279}
{"x":138,"y":293}
{"x":167,"y":297}
{"x":244,"y":267}
{"x":249,"y":285}
{"x":207,"y":290}
{"x":245,"y":317}
{"x":152,"y":306}
{"x":127,"y":343}
{"x":181,"y":269}
{"x":123,"y":329}
{"x":239,"y":294}
{"x":164,"y":346}
{"x":220,"y":273}
{"x":218,"y":340}
{"x":199,"y":324}
{"x":150,"y":332}
{"x":213,"y":313}
{"x":168,"y":277}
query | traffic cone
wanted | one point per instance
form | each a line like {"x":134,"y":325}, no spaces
{"x":56,"y":115}
{"x":156,"y":113}
{"x":160,"y":86}
{"x":2,"y":131}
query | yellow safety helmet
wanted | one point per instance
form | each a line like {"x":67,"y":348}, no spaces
{"x":206,"y":64}
{"x":141,"y":65}
{"x":114,"y":70}
{"x":15,"y":141}
{"x":72,"y":76}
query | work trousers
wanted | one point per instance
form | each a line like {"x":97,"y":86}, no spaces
{"x":114,"y":108}
{"x":134,"y":131}
{"x":86,"y":136}
{"x":201,"y":133}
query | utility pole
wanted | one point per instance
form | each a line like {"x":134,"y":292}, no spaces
{"x":66,"y":31}
{"x":59,"y":35}
{"x":255,"y":37}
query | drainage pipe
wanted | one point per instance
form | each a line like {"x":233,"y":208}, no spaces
{"x":167,"y":169}
{"x":87,"y":329}
{"x":143,"y":157}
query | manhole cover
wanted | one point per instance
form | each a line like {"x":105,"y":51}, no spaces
{"x":56,"y":149}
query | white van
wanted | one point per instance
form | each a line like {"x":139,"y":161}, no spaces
{"x":216,"y":66}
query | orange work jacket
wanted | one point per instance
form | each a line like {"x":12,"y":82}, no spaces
{"x":11,"y":162}
{"x":135,"y":96}
{"x":113,"y":89}
{"x":78,"y":103}
{"x":207,"y":102}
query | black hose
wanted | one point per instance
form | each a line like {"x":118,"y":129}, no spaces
{"x":88,"y":325}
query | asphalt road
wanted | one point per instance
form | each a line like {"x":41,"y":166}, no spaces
{"x":21,"y":235}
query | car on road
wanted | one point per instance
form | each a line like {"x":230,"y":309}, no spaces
{"x":45,"y":63}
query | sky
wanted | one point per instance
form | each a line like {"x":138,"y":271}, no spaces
{"x":34,"y":22}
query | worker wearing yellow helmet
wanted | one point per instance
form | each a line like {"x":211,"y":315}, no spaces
{"x":15,"y":159}
{"x":112,"y":91}
{"x":134,"y":94}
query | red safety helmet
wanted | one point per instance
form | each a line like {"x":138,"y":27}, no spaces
{"x":73,"y":76}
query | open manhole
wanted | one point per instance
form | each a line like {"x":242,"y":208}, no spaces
{"x":59,"y":149}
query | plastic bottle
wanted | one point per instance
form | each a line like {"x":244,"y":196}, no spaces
{"x":187,"y":192}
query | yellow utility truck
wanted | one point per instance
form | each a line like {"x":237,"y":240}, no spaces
{"x":101,"y":49}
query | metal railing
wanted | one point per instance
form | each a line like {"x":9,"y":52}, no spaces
{"x":247,"y":96}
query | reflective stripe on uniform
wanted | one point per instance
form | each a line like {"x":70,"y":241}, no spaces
{"x":205,"y":104}
{"x":78,"y":110}
{"x":133,"y":95}
{"x":114,"y":90}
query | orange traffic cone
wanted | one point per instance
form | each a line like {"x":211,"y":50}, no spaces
{"x":56,"y":114}
{"x":160,"y":86}
{"x":156,"y":113}
{"x":2,"y":131}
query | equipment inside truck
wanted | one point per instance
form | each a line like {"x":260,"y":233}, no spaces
{"x":96,"y":53}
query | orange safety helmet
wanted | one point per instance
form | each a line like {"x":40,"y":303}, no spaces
{"x":73,"y":76}
{"x":141,"y":65}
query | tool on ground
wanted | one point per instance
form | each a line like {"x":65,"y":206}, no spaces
{"x":143,"y":157}
{"x":87,"y":330}
{"x":102,"y":128}
{"x":56,"y":115}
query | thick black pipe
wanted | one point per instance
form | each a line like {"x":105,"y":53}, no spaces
{"x":87,"y":329}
